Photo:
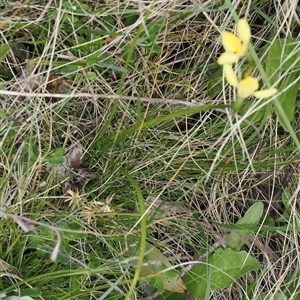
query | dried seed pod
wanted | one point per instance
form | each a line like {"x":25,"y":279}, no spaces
{"x":74,"y":156}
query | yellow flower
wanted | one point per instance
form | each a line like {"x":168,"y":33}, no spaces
{"x":235,"y":46}
{"x":247,"y":86}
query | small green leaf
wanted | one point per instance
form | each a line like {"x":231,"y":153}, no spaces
{"x":56,"y":157}
{"x":4,"y":49}
{"x":91,"y":75}
{"x":148,"y":40}
{"x":220,"y":270}
{"x":112,"y":67}
{"x":70,"y":70}
{"x":105,"y":58}
{"x":237,"y":238}
{"x":91,"y":60}
{"x":63,"y":259}
{"x":158,"y":283}
{"x":75,"y":226}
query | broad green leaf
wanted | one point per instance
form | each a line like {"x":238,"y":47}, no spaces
{"x":220,"y":270}
{"x":283,"y":55}
{"x":3,"y":51}
{"x":267,"y":296}
{"x":238,"y":237}
{"x":155,"y":262}
{"x":34,"y":292}
{"x":255,"y":117}
{"x":288,"y":98}
{"x":158,"y":282}
{"x":152,"y":271}
{"x":171,"y":296}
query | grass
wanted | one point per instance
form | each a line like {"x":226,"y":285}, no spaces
{"x":123,"y":143}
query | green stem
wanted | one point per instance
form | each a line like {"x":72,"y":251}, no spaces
{"x":143,"y":220}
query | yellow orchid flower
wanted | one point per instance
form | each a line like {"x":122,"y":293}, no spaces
{"x":235,"y":46}
{"x":248,"y":86}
